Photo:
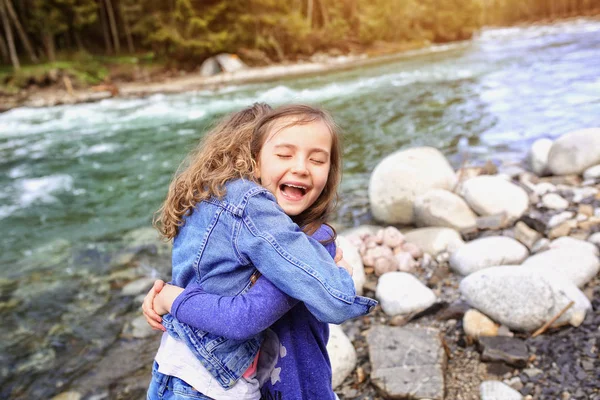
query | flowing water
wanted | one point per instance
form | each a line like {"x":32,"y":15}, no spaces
{"x":72,"y":176}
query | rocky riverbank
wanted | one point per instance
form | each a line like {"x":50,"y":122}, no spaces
{"x":487,"y":279}
{"x":169,"y":83}
{"x":495,"y":294}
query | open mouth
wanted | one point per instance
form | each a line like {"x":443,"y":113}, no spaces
{"x":292,"y":192}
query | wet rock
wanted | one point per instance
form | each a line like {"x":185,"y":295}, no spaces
{"x":489,"y":195}
{"x":341,"y":354}
{"x":495,"y":390}
{"x":71,"y":395}
{"x":136,"y":287}
{"x":402,"y":293}
{"x":147,"y":238}
{"x":538,"y":156}
{"x":577,"y":266}
{"x":476,"y":324}
{"x":574,"y":244}
{"x":138,"y":328}
{"x":592,"y":172}
{"x":435,"y":240}
{"x":402,"y":176}
{"x":440,"y":207}
{"x":554,"y":201}
{"x":407,"y":362}
{"x":352,"y":256}
{"x":574,"y":152}
{"x":487,"y":252}
{"x":526,"y":235}
{"x":508,"y":350}
{"x":7,"y":287}
{"x":522,"y":298}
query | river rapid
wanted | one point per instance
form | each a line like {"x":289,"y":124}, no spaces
{"x":76,"y":179}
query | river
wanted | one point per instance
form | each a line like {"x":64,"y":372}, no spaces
{"x":83,"y":175}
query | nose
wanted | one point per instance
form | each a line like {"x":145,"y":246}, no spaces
{"x":299,"y":167}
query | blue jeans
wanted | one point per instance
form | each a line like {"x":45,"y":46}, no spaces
{"x":165,"y":387}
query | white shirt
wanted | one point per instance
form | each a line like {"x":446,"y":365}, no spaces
{"x":174,"y":358}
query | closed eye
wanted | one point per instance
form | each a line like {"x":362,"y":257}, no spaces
{"x":283,"y":155}
{"x":318,"y":161}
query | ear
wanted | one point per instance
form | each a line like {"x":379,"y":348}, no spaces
{"x":256,"y":170}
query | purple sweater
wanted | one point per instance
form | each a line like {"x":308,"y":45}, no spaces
{"x":303,"y":371}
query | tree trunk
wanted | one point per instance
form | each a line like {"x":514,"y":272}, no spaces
{"x":309,"y":12}
{"x":113,"y":25}
{"x":105,"y":33}
{"x":14,"y":58}
{"x":4,"y":49}
{"x":324,"y":13}
{"x":48,"y":39}
{"x":125,"y":18}
{"x":22,"y":35}
{"x":78,"y":41}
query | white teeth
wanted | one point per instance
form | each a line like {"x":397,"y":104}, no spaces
{"x":299,"y":187}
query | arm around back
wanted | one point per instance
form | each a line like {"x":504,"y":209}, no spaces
{"x":297,"y":264}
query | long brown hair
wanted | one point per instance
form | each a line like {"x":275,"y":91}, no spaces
{"x":230,"y":150}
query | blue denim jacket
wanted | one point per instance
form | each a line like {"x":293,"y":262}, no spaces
{"x":220,"y":246}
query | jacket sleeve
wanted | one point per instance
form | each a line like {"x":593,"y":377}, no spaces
{"x":297,"y":264}
{"x":233,"y":317}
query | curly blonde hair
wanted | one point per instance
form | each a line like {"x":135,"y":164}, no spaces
{"x":230,"y":150}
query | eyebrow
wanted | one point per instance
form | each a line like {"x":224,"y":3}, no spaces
{"x":313,"y":150}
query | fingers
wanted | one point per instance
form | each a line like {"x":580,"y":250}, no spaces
{"x":339,"y":254}
{"x":152,"y":318}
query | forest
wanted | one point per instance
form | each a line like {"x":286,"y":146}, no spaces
{"x":182,"y":33}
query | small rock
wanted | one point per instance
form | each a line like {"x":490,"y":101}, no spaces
{"x":385,"y":264}
{"x":341,"y":354}
{"x":514,"y":383}
{"x":414,"y":250}
{"x":402,"y":293}
{"x":554,"y":201}
{"x":586,"y":209}
{"x":583,"y":193}
{"x":592,"y":172}
{"x":509,"y":350}
{"x":392,"y":237}
{"x":435,"y":240}
{"x":562,"y":230}
{"x":558,"y":219}
{"x":541,"y":245}
{"x":352,"y":256}
{"x":476,"y":324}
{"x":406,"y":263}
{"x":595,"y":239}
{"x":138,"y":328}
{"x":532,"y":372}
{"x":543,"y":188}
{"x":373,"y":253}
{"x":493,"y":222}
{"x":526,"y":235}
{"x":495,"y":390}
{"x":538,"y":156}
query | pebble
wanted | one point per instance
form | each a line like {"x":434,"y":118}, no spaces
{"x":554,"y":201}
{"x":509,"y":350}
{"x":558,"y":219}
{"x":402,"y":293}
{"x":495,"y":390}
{"x":476,"y":324}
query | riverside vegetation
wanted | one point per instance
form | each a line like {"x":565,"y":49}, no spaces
{"x":90,"y":41}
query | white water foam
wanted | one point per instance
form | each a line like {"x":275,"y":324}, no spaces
{"x":41,"y":189}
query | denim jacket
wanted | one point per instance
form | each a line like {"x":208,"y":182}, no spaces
{"x":221,"y":245}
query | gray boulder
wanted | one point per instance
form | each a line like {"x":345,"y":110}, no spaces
{"x":487,"y":252}
{"x":538,"y":156}
{"x":575,"y":265}
{"x":439,"y":207}
{"x":491,"y":195}
{"x":522,"y":298}
{"x":402,"y":176}
{"x":407,"y":362}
